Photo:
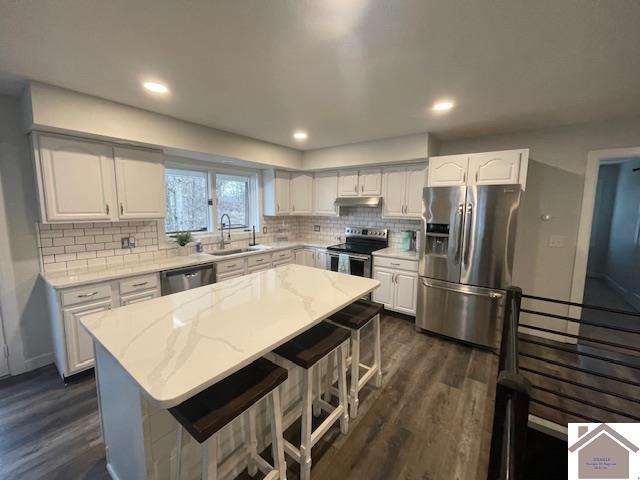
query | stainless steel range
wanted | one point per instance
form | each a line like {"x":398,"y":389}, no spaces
{"x":360,"y":243}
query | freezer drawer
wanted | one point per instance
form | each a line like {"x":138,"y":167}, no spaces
{"x":469,"y":314}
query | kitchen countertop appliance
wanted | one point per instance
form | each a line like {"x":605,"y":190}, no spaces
{"x":180,"y":279}
{"x":360,"y":243}
{"x":466,"y":258}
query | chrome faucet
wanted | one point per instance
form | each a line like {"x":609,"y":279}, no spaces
{"x":222,"y":242}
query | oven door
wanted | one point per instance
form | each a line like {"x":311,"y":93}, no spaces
{"x":360,"y":265}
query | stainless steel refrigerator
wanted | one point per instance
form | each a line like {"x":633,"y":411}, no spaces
{"x":466,"y":258}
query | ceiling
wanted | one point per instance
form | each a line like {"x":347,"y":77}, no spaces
{"x":344,"y":70}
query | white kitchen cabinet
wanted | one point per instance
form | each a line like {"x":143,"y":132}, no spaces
{"x":75,"y":179}
{"x":325,"y":192}
{"x":402,"y":191}
{"x":305,"y":256}
{"x":384,"y":293}
{"x":348,"y":183}
{"x":486,"y":168}
{"x":321,"y":258}
{"x":406,"y":292}
{"x":79,"y":344}
{"x":220,"y":277}
{"x":259,"y":268}
{"x":370,"y":182}
{"x":140,"y":184}
{"x":277,"y":189}
{"x":398,"y":289}
{"x":494,"y":168}
{"x":138,"y":297}
{"x":301,"y":189}
{"x":448,"y":171}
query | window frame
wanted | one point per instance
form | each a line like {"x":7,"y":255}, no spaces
{"x":194,"y":172}
{"x":253,"y":199}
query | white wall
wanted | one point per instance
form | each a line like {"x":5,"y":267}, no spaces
{"x":557,"y":165}
{"x":22,"y":295}
{"x":623,"y":256}
{"x":56,"y":109}
{"x":601,"y":226}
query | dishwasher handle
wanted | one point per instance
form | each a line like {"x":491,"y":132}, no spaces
{"x":180,"y":279}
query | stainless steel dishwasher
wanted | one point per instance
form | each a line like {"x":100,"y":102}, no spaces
{"x":186,"y":278}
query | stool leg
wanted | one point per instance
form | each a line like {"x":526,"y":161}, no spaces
{"x":207,"y":472}
{"x":318,"y":395}
{"x":178,"y":452}
{"x":251,"y":440}
{"x":377,"y":351}
{"x":277,"y":441}
{"x":305,"y":443}
{"x":355,"y":372}
{"x":342,"y":388}
{"x":328,"y":379}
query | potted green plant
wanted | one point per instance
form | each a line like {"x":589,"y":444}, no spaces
{"x":183,"y":239}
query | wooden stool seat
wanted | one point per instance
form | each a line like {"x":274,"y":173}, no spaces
{"x":209,"y":411}
{"x":357,"y":315}
{"x":310,"y":347}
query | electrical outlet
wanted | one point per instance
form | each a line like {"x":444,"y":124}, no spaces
{"x":316,"y":228}
{"x":557,"y":241}
{"x":124,"y":242}
{"x":264,"y":230}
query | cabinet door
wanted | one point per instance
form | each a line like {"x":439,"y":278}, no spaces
{"x":448,"y":171}
{"x":79,"y":343}
{"x":140,"y":184}
{"x":406,"y":289}
{"x":384,"y":293}
{"x":283,"y":198}
{"x":494,"y":168}
{"x":76,"y":180}
{"x":393,"y":191}
{"x":348,"y":183}
{"x":321,"y":259}
{"x":301,"y":193}
{"x":416,"y":179}
{"x":370,"y":181}
{"x":298,"y":257}
{"x":325,"y":192}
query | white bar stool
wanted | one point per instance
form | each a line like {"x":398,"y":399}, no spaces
{"x":306,"y":351}
{"x":353,"y":318}
{"x":205,"y":414}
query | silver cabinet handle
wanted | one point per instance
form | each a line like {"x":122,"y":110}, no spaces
{"x":464,"y":177}
{"x":476,"y":177}
{"x":231,"y":266}
{"x":395,"y":264}
{"x":258,"y":260}
{"x":277,"y":207}
{"x":85,"y":295}
{"x":492,"y":295}
{"x":107,"y":209}
{"x":362,"y":188}
{"x":121,"y":208}
{"x":141,"y":284}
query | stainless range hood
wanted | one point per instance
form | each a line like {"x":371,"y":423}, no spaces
{"x":358,"y":201}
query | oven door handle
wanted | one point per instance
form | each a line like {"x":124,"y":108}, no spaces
{"x":350,"y":255}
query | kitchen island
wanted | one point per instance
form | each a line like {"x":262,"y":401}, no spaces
{"x":154,"y":355}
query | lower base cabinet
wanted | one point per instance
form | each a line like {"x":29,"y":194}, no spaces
{"x":398,"y":289}
{"x":311,"y":257}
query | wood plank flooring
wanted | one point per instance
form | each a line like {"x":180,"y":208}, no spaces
{"x":431,"y":419}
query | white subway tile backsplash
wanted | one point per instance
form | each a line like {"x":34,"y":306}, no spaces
{"x":75,"y":248}
{"x":86,"y":239}
{"x":63,"y":241}
{"x":103,"y":238}
{"x":65,"y":257}
{"x":76,"y":264}
{"x":52,"y":250}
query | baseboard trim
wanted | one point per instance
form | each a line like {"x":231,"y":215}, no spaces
{"x":38,"y":361}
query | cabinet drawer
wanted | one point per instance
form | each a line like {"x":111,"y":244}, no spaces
{"x":281,"y":256}
{"x":260,"y":268}
{"x":231,"y":265}
{"x":86,"y":294}
{"x":254,"y":260}
{"x":137,"y":284}
{"x":395,"y":263}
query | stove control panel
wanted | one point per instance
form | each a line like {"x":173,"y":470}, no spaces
{"x":364,"y":232}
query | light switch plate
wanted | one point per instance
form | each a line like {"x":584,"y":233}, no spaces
{"x":557,"y":241}
{"x":316,"y":228}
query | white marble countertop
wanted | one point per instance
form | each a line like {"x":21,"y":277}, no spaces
{"x":391,"y":252}
{"x":74,"y":278}
{"x":174,"y":347}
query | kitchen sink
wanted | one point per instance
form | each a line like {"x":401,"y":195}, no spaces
{"x":234,"y":251}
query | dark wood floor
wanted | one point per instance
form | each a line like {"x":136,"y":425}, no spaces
{"x":431,"y":419}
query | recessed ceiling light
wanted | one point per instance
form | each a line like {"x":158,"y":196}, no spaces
{"x":156,"y":87}
{"x":442,"y":106}
{"x":300,"y":135}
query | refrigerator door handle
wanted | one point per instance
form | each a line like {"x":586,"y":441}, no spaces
{"x":467,"y":234}
{"x":459,"y":231}
{"x":492,"y":295}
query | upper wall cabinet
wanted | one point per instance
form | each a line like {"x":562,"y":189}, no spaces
{"x":77,"y":181}
{"x":277,"y":193}
{"x":366,"y":182}
{"x":402,"y":191}
{"x":325,"y":192}
{"x":488,"y":168}
{"x":301,"y":193}
{"x":140,"y":184}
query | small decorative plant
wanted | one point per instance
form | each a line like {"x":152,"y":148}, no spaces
{"x":184,"y":238}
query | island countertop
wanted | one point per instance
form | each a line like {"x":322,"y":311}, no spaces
{"x":174,"y":347}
